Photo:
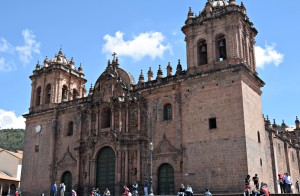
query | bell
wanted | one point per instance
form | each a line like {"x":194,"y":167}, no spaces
{"x":203,"y":48}
{"x":221,"y":43}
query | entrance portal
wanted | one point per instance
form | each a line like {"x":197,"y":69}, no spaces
{"x":67,"y":180}
{"x":105,"y":174}
{"x":166,"y":180}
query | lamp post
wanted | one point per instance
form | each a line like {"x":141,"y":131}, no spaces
{"x":151,"y":150}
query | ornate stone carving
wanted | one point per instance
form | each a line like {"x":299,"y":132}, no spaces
{"x":67,"y":161}
{"x":165,"y":148}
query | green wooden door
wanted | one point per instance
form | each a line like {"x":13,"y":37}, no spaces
{"x":166,"y":180}
{"x":67,"y":180}
{"x":106,"y":170}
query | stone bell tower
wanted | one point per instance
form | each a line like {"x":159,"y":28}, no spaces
{"x":56,"y":81}
{"x":225,"y":100}
{"x":220,"y":35}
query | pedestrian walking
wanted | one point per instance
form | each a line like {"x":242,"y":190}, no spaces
{"x":62,"y":189}
{"x":54,"y":189}
{"x":135,"y":189}
{"x":146,"y":187}
{"x":281,"y":183}
{"x":288,"y":183}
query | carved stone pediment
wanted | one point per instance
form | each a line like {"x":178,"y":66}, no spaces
{"x":67,"y":161}
{"x":164,"y":148}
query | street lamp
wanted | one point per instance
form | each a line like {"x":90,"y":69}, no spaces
{"x":151,"y":150}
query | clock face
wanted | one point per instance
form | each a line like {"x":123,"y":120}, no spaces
{"x":38,"y":129}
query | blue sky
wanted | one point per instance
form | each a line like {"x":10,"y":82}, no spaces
{"x":91,"y":30}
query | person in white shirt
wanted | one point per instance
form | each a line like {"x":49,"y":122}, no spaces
{"x":62,"y":189}
{"x":288,"y":182}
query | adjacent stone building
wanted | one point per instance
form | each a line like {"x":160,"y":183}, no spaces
{"x":205,"y":122}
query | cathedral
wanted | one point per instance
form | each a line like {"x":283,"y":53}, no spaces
{"x":201,"y":126}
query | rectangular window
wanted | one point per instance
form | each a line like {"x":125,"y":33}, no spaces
{"x":212,"y":123}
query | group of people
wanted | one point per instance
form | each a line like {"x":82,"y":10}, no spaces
{"x":185,"y":191}
{"x":258,"y":189}
{"x":286,"y":183}
{"x":62,"y":189}
{"x":135,"y":186}
{"x":96,"y":192}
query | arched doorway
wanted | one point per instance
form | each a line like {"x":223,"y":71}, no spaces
{"x":5,"y":189}
{"x":12,"y":189}
{"x":66,"y":178}
{"x":105,"y":174}
{"x":166,"y":180}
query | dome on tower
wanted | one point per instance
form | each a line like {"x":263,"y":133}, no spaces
{"x":218,"y":3}
{"x":59,"y":58}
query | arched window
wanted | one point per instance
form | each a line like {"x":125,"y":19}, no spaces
{"x":70,"y":129}
{"x":64,"y":93}
{"x":75,"y":94}
{"x":221,"y":48}
{"x":202,"y":52}
{"x":38,"y":96}
{"x":258,"y":136}
{"x":48,"y":93}
{"x":105,"y":118}
{"x":167,"y":112}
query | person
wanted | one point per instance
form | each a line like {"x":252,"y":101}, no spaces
{"x":17,"y":193}
{"x":74,"y":193}
{"x":255,"y":191}
{"x":146,"y":187}
{"x":189,"y":190}
{"x":126,"y":191}
{"x":288,"y":183}
{"x":264,"y":189}
{"x":181,"y":190}
{"x":62,"y":189}
{"x":207,"y":193}
{"x":54,"y":189}
{"x":281,"y":183}
{"x":106,"y":192}
{"x":256,"y":181}
{"x":297,"y":186}
{"x":247,"y":185}
{"x":135,"y":189}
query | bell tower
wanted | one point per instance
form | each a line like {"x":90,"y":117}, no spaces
{"x":56,"y":81}
{"x":220,"y":35}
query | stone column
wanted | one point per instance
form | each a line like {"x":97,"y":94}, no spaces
{"x":120,"y":119}
{"x":99,"y":122}
{"x":126,"y":166}
{"x":139,"y":118}
{"x":113,"y":119}
{"x":127,"y":120}
{"x":138,"y":165}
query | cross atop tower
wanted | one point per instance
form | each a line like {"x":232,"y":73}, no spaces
{"x":114,"y":55}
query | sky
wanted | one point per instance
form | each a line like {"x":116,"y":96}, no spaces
{"x":144,"y":34}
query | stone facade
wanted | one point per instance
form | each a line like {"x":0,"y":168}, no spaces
{"x":206,"y":122}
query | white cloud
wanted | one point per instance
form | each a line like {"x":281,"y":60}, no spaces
{"x":145,"y":44}
{"x":8,"y":119}
{"x":267,"y":55}
{"x":30,"y":47}
{"x":6,"y":66}
{"x":5,"y":46}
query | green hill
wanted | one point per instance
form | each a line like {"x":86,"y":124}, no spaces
{"x":12,"y":139}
